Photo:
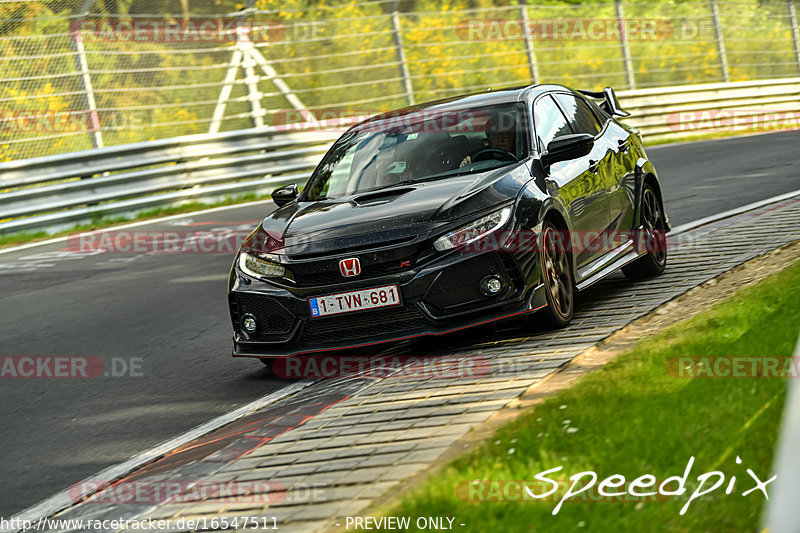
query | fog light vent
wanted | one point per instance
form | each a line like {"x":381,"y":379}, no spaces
{"x":249,"y":323}
{"x":491,"y":285}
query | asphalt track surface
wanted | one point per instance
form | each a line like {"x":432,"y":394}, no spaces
{"x":166,"y":314}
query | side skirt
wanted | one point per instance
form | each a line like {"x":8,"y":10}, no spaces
{"x":612,"y":261}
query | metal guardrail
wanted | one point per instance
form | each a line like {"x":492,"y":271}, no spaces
{"x":675,"y":112}
{"x":55,"y":191}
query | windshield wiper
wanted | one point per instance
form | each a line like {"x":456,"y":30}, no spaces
{"x":389,"y":186}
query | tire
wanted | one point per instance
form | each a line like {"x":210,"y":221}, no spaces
{"x":555,"y":263}
{"x":652,"y":238}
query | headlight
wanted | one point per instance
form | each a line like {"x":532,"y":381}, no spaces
{"x":258,"y":267}
{"x":473,"y":231}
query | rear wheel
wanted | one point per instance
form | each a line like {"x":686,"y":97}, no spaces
{"x":557,"y":276}
{"x":652,"y":238}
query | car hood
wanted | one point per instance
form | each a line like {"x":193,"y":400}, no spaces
{"x":388,"y":216}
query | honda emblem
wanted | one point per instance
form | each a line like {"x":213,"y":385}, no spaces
{"x":350,"y":267}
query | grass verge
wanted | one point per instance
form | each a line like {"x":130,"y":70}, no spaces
{"x":23,"y":237}
{"x":633,"y":418}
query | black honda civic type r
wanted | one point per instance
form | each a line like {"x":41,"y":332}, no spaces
{"x":446,"y":215}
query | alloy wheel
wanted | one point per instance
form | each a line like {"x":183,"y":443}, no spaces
{"x":653,"y":223}
{"x":557,"y":277}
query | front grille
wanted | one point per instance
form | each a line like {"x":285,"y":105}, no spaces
{"x":363,"y":325}
{"x":374,"y":264}
{"x":332,"y":277}
{"x":352,"y":248}
{"x":271,"y":317}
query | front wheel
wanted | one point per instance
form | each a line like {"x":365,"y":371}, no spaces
{"x":652,"y":239}
{"x":557,"y":276}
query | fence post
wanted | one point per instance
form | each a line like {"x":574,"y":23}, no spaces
{"x":401,"y":58}
{"x":623,"y":41}
{"x":795,"y":31}
{"x":82,"y":66}
{"x":529,"y":51}
{"x":723,"y":56}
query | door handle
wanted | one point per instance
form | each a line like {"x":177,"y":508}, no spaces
{"x":623,"y":144}
{"x":593,"y":165}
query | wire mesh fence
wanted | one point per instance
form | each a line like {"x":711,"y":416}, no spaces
{"x":81,"y":73}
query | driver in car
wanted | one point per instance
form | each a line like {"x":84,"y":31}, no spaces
{"x":501,"y":133}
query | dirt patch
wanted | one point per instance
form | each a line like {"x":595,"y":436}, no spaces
{"x":681,"y":308}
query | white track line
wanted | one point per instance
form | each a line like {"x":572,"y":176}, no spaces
{"x":63,"y":499}
{"x":683,"y":228}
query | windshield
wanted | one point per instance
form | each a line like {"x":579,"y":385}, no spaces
{"x":421,"y":146}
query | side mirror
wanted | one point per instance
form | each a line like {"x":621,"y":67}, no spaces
{"x":568,"y":147}
{"x":284,"y":195}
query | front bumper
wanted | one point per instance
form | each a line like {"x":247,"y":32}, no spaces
{"x":438,"y":298}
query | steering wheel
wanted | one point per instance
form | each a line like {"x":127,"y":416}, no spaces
{"x":486,"y":152}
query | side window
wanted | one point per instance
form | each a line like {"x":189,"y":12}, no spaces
{"x":601,"y":115}
{"x":550,"y":121}
{"x":578,"y":113}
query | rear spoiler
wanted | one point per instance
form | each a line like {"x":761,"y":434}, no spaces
{"x":609,"y":103}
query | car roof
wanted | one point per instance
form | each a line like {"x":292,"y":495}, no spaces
{"x":484,"y":98}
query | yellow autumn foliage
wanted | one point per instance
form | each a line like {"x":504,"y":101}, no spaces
{"x":342,"y":56}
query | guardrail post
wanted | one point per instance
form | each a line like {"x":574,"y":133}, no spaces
{"x":795,"y":31}
{"x":401,"y":58}
{"x":82,"y":66}
{"x":723,"y":55}
{"x":623,"y":41}
{"x":529,"y":51}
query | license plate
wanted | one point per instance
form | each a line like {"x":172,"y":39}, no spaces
{"x":361,"y":300}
